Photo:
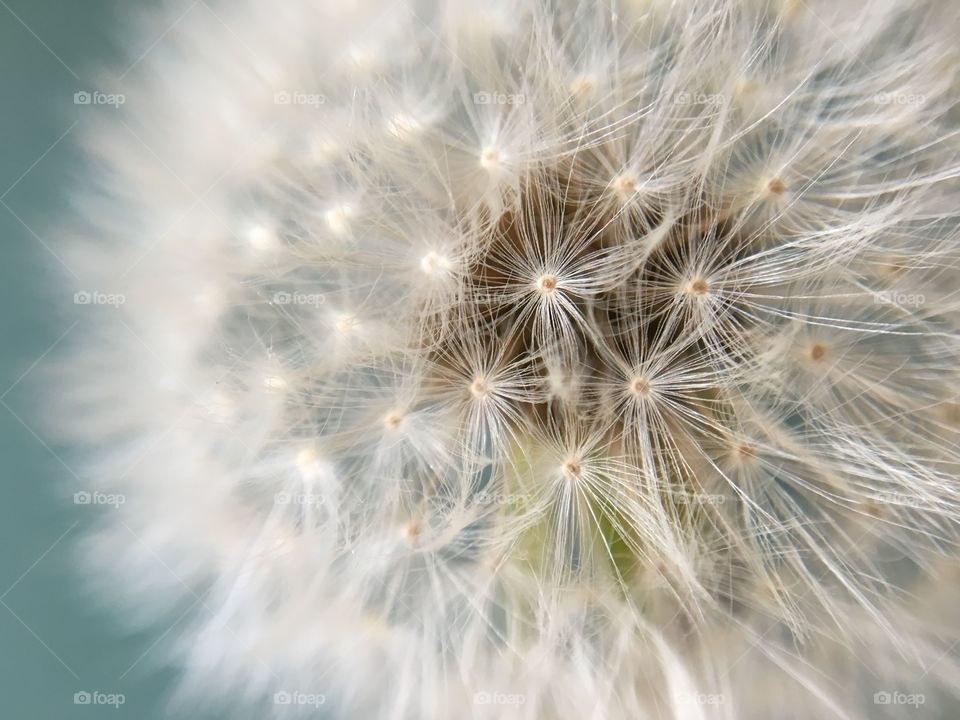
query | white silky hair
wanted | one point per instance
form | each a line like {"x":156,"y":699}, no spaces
{"x":532,"y":359}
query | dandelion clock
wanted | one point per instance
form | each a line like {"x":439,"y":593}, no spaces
{"x":532,"y":360}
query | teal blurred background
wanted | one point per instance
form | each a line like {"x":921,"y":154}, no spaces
{"x":54,"y":641}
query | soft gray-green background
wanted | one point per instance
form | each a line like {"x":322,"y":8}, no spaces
{"x":54,"y":641}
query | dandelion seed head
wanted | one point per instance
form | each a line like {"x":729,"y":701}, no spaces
{"x":602,"y":356}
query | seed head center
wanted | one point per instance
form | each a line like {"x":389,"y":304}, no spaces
{"x":698,"y":286}
{"x":776,"y":187}
{"x":393,"y":419}
{"x":817,"y":352}
{"x":547,"y":284}
{"x":433,"y":263}
{"x":479,"y":388}
{"x":490,"y":158}
{"x":625,"y":186}
{"x":640,"y":386}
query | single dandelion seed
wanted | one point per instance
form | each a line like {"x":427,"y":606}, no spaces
{"x":403,"y":126}
{"x":434,"y":264}
{"x":261,"y":238}
{"x":583,"y":86}
{"x":275,"y":382}
{"x":640,"y":387}
{"x":625,"y":186}
{"x":338,"y":219}
{"x":479,"y":387}
{"x":546,"y":284}
{"x":346,"y":325}
{"x":393,"y":419}
{"x":746,"y":89}
{"x":775,"y":188}
{"x":490,"y":158}
{"x":411,"y":531}
{"x":697,"y":287}
{"x":308,"y":462}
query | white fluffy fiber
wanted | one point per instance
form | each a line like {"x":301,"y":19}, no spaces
{"x":534,"y":360}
